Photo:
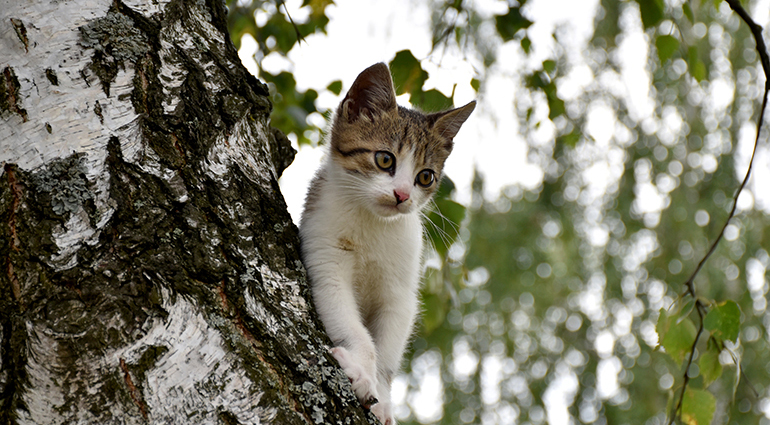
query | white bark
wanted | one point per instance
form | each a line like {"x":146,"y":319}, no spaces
{"x":198,"y":315}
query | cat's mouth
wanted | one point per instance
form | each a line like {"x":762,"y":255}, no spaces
{"x":387,"y":206}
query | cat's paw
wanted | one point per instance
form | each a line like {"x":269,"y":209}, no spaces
{"x":363,"y":383}
{"x":384,"y":412}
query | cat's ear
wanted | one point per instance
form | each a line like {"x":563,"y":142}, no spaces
{"x":446,"y":124}
{"x":371,"y":94}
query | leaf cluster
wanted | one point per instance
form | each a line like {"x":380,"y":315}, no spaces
{"x":277,"y":33}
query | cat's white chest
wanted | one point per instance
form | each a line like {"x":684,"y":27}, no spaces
{"x":383,"y":250}
{"x":390,"y":249}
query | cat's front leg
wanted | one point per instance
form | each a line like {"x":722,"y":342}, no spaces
{"x":391,"y":334}
{"x":331,"y":276}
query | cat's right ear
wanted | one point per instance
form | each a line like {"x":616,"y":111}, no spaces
{"x":448,"y":123}
{"x":371,"y":95}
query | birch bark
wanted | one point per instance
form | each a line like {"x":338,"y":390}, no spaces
{"x":150,"y":271}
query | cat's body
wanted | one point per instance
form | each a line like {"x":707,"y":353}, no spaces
{"x":361,"y":230}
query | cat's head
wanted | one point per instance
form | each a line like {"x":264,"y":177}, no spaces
{"x":389,"y":159}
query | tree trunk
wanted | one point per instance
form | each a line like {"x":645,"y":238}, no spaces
{"x":150,"y":270}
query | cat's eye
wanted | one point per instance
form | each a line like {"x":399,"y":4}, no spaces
{"x":385,"y":160}
{"x":425,"y":178}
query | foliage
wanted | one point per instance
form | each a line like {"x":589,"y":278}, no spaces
{"x":276,"y":33}
{"x":574,"y":289}
{"x":573,"y":300}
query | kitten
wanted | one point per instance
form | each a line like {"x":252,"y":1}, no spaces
{"x":361,"y":229}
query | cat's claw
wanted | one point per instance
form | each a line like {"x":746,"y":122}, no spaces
{"x":363,"y":383}
{"x":372,"y":401}
{"x":384,"y":413}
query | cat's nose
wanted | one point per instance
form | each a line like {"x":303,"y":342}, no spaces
{"x":401,"y":196}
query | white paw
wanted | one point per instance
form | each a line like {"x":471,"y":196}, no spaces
{"x":384,"y":412}
{"x":363,"y":383}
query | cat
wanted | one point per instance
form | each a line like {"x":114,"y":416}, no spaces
{"x":361,"y":229}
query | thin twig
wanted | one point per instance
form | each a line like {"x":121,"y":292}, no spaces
{"x":756,"y":31}
{"x":300,"y":39}
{"x":698,"y":307}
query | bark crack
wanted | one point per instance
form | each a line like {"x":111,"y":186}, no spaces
{"x":132,"y":390}
{"x":21,"y":32}
{"x":257,"y":346}
{"x":16,"y":189}
{"x":10,"y":96}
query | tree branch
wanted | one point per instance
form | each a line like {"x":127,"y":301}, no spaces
{"x":756,"y":31}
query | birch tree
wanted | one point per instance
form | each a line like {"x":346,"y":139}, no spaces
{"x":150,"y":271}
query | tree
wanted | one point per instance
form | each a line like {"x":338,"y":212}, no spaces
{"x":150,"y":268}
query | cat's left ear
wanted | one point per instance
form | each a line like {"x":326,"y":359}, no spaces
{"x":372,"y":94}
{"x":448,"y":123}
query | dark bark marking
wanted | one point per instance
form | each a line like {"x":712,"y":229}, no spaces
{"x":9,"y":93}
{"x":98,"y":111}
{"x":15,"y":287}
{"x":21,"y":32}
{"x":10,"y":171}
{"x":132,"y":390}
{"x":179,"y":148}
{"x":52,"y":77}
{"x":223,"y":296}
{"x":257,"y":349}
{"x":14,"y":245}
{"x":140,"y":72}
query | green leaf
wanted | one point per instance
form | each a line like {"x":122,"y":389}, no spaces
{"x":433,"y":312}
{"x":696,"y":65}
{"x":445,"y":188}
{"x":698,"y":70}
{"x":651,"y":11}
{"x":509,"y":24}
{"x":724,"y":320}
{"x":476,"y":84}
{"x":549,"y":66}
{"x":543,"y":81}
{"x":408,"y":75}
{"x":443,"y":222}
{"x":570,"y":139}
{"x":335,"y":87}
{"x":698,"y":407}
{"x":676,"y":335}
{"x":526,"y":44}
{"x":666,"y":45}
{"x":688,"y":11}
{"x":710,"y":367}
{"x":431,"y":100}
{"x":444,"y":225}
{"x":555,"y":105}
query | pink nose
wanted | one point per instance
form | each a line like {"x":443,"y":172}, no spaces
{"x":401,"y":196}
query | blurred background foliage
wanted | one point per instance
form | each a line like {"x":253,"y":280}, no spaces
{"x":567,"y":303}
